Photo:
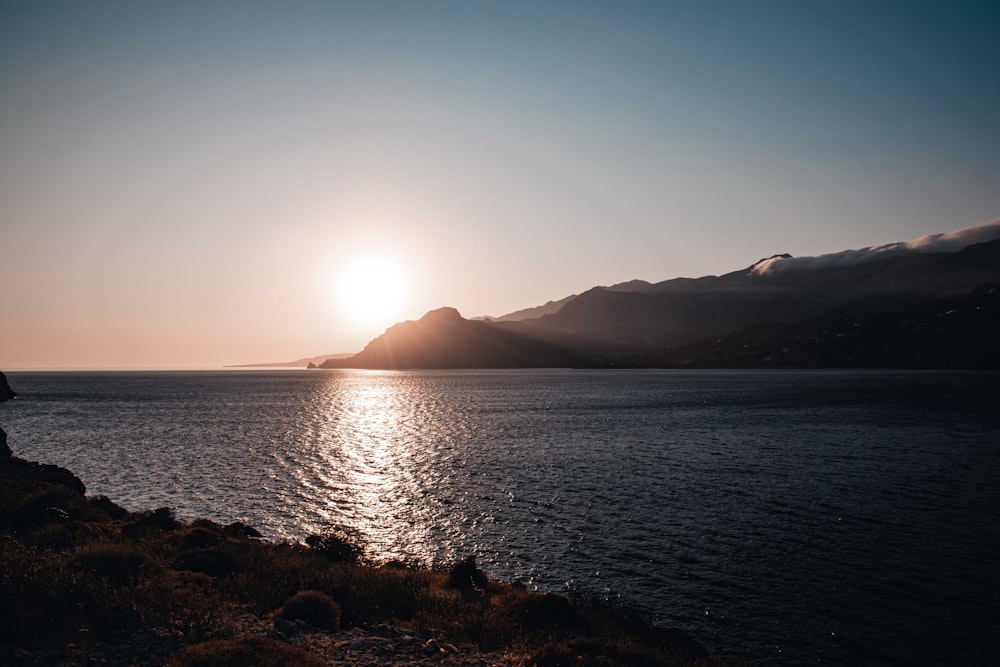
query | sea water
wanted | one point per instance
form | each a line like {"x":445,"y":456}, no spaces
{"x":792,"y":517}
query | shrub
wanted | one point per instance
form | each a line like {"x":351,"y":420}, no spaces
{"x":199,"y":537}
{"x":159,"y":520}
{"x":338,"y":546}
{"x":240,"y":529}
{"x":115,"y":565}
{"x":246,"y":652}
{"x":313,"y":607}
{"x":374,"y":593}
{"x":213,"y":562}
{"x":109,"y":508}
{"x":466,"y":577}
{"x":597,"y":653}
{"x":62,"y":536}
{"x":46,"y":506}
{"x":548,"y":612}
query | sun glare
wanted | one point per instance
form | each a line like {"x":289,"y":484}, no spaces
{"x":371,"y":290}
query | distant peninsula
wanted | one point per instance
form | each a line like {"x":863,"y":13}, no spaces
{"x":308,"y":362}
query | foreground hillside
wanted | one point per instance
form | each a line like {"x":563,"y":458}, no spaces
{"x":84,"y":581}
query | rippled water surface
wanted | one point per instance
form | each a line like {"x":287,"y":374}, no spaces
{"x":840,"y":517}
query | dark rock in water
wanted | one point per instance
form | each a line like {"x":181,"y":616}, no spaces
{"x":6,"y":393}
{"x":5,"y":452}
{"x":311,"y":365}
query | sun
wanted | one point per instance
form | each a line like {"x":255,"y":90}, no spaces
{"x":371,"y":290}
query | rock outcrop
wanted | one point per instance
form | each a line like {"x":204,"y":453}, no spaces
{"x":6,"y":393}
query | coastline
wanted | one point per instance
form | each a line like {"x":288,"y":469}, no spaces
{"x":90,"y":581}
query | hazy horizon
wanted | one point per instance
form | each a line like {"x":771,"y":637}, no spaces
{"x":189,"y":186}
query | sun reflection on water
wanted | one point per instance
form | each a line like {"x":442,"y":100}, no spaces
{"x":365,"y":458}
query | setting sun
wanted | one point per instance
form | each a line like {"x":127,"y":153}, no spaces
{"x":371,"y":290}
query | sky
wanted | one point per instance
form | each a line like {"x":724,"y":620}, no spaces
{"x":183,"y":184}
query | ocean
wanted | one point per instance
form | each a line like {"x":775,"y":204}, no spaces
{"x":792,"y":517}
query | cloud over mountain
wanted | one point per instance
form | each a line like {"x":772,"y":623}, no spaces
{"x":949,"y":242}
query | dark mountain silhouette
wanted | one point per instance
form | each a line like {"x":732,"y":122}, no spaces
{"x":960,"y":331}
{"x":444,"y":339}
{"x":604,"y":321}
{"x":885,"y":306}
{"x":531,"y":313}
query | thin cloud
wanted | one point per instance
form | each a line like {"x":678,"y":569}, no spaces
{"x":950,"y":242}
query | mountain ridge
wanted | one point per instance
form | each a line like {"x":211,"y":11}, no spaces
{"x":442,"y":338}
{"x":672,"y":322}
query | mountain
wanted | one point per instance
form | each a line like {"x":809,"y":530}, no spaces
{"x":606,"y":321}
{"x":531,"y":313}
{"x":444,"y":339}
{"x":928,"y":303}
{"x":836,"y":269}
{"x":959,"y":331}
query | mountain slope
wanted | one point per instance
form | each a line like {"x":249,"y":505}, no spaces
{"x":680,"y":312}
{"x":961,"y":331}
{"x":444,"y":339}
{"x":828,"y":272}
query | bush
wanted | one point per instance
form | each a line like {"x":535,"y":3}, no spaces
{"x":466,"y":577}
{"x":240,"y":529}
{"x":62,"y":536}
{"x":109,"y":508}
{"x":213,"y":562}
{"x":159,"y":520}
{"x":313,"y":607}
{"x":246,"y":652}
{"x":45,"y":507}
{"x":115,"y":565}
{"x":199,"y":537}
{"x":338,"y":546}
{"x":548,"y":612}
{"x":596,"y":653}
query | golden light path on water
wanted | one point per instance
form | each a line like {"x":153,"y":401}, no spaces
{"x":364,"y":464}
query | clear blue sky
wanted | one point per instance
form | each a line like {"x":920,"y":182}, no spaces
{"x":179,"y":181}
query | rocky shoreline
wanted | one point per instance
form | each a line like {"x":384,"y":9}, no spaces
{"x":85,"y":581}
